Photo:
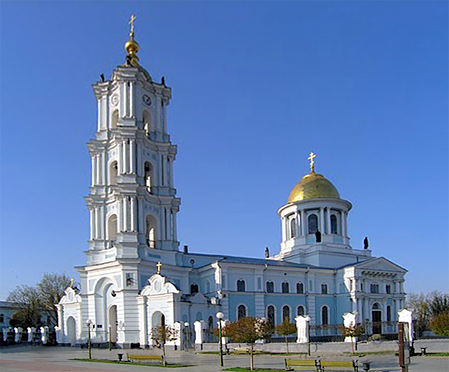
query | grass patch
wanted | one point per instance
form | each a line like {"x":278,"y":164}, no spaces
{"x":238,"y":352}
{"x":239,"y":369}
{"x":132,"y":363}
{"x":437,"y":354}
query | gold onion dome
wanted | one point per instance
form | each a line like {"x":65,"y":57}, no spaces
{"x":131,"y":46}
{"x":313,"y":185}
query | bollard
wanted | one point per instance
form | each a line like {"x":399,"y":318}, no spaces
{"x":366,"y":366}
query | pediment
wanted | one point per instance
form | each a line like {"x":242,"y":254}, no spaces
{"x":198,"y":298}
{"x":380,"y":264}
{"x":158,"y":284}
{"x":70,"y":297}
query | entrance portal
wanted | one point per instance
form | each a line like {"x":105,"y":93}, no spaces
{"x":71,"y":331}
{"x":377,"y":319}
{"x":113,"y":323}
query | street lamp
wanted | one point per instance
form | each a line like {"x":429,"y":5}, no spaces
{"x":220,"y":316}
{"x":89,"y":344}
{"x":186,"y":324}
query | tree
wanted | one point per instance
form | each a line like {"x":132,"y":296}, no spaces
{"x":248,"y":330}
{"x":32,"y":303}
{"x":438,"y":303}
{"x":162,"y":334}
{"x":353,"y":331}
{"x":51,"y":289}
{"x":286,"y":329}
{"x":421,"y":314}
{"x":440,"y":325}
{"x":27,"y":306}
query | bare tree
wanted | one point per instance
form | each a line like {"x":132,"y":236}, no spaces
{"x":162,"y":334}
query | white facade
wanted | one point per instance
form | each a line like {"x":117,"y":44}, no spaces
{"x":133,"y":207}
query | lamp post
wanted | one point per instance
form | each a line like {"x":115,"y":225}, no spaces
{"x":110,"y":336}
{"x":89,"y":344}
{"x":186,"y":324}
{"x":220,"y":316}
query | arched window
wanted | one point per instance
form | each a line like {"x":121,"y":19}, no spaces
{"x":113,"y":171}
{"x":299,"y":288}
{"x":270,"y":315}
{"x":146,"y":122}
{"x":193,"y":288}
{"x":334,"y":225}
{"x":114,"y":119}
{"x":150,"y":232}
{"x":325,"y":315}
{"x":292,"y":228}
{"x":388,"y":313}
{"x":376,"y":306}
{"x":241,"y":312}
{"x":285,"y":287}
{"x":240,"y":285}
{"x":285,"y":314}
{"x":313,"y":223}
{"x":199,"y":315}
{"x":270,"y":287}
{"x":149,"y":176}
{"x":300,"y":310}
{"x":323,"y":288}
{"x":210,"y":324}
{"x":112,"y":227}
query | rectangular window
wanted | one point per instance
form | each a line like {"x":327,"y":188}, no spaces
{"x":259,"y":283}
{"x":374,"y":288}
{"x":223,"y":281}
{"x":388,"y":288}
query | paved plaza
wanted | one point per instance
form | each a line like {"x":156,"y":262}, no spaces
{"x":57,"y":359}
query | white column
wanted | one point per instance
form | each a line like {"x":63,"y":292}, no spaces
{"x":125,"y":213}
{"x":133,"y":213}
{"x":120,"y":214}
{"x":158,"y":124}
{"x":163,"y":230}
{"x":104,"y":112}
{"x":99,"y":115}
{"x":171,"y":173}
{"x":343,"y":223}
{"x":298,"y":228}
{"x":141,"y":215}
{"x":132,"y":156}
{"x":131,"y":99}
{"x":303,"y":223}
{"x":162,"y":171}
{"x":322,"y":220}
{"x":139,"y":166}
{"x":103,"y":168}
{"x":93,"y":170}
{"x":125,"y":156}
{"x":97,"y":222}
{"x":92,"y":223}
{"x":175,"y":227}
{"x":168,"y":224}
{"x":102,"y":222}
{"x":284,"y":231}
{"x":328,"y":211}
{"x":120,"y":158}
{"x":141,"y":304}
{"x":122,"y":99}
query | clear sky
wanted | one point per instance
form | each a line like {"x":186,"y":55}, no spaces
{"x":256,"y":87}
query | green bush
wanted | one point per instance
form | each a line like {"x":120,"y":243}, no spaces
{"x":440,"y":325}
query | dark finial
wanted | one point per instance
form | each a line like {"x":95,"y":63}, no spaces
{"x":186,"y":249}
{"x":163,"y":80}
{"x":102,"y":78}
{"x":318,"y":236}
{"x":365,"y":243}
{"x":267,"y":252}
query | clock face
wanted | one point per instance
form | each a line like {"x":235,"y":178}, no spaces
{"x":146,"y":99}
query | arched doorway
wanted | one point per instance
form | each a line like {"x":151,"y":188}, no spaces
{"x":377,"y":319}
{"x":113,"y":323}
{"x":158,"y":319}
{"x":71,"y":331}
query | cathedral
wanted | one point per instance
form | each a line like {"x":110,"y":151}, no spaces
{"x":136,"y":276}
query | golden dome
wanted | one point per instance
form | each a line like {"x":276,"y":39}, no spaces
{"x":313,"y":185}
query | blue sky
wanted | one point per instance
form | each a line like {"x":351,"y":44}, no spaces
{"x":256,"y":87}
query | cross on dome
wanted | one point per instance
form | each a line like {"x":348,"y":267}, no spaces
{"x":311,"y":157}
{"x":159,"y":265}
{"x":131,"y":22}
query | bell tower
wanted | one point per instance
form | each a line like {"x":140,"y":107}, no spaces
{"x":132,"y":200}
